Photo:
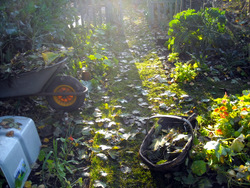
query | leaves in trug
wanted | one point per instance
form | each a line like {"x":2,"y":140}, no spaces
{"x":166,"y":145}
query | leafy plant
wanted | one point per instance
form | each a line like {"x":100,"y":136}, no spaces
{"x":199,"y":167}
{"x":208,"y":34}
{"x":231,"y":114}
{"x":57,"y":164}
{"x":197,"y":32}
{"x":173,"y":57}
{"x":90,"y":52}
{"x":227,"y":125}
{"x":184,"y":72}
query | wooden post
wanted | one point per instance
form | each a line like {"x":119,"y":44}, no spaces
{"x":108,"y":10}
{"x":158,"y":14}
{"x":170,"y":4}
{"x":121,"y":12}
{"x":81,"y":5}
{"x":94,"y":11}
{"x":76,"y":19}
{"x":164,"y":10}
{"x":151,"y":12}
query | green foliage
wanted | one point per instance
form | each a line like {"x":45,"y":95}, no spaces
{"x":173,"y":57}
{"x":184,"y":72}
{"x":227,"y":125}
{"x":89,"y":52}
{"x":26,"y":25}
{"x":198,"y":32}
{"x":208,"y":34}
{"x":56,"y":163}
{"x":199,"y":167}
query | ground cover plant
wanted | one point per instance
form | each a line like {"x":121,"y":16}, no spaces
{"x":134,"y":78}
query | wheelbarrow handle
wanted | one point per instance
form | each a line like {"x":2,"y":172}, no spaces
{"x":187,"y":121}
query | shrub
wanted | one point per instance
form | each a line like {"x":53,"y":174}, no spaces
{"x":198,"y":32}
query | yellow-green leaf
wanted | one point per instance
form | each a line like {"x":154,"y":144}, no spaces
{"x":49,"y":57}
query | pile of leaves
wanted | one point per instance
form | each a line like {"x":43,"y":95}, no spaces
{"x":33,"y":60}
{"x":167,"y":144}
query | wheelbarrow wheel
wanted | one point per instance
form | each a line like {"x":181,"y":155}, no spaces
{"x":65,"y":84}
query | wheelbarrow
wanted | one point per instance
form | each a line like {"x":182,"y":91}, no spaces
{"x":62,"y":92}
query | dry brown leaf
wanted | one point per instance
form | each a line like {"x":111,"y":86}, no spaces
{"x":10,"y":134}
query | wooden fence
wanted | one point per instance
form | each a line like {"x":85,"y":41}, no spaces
{"x":161,"y":11}
{"x":97,"y":12}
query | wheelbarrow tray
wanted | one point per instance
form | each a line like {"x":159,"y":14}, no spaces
{"x":29,"y":83}
{"x":167,"y":121}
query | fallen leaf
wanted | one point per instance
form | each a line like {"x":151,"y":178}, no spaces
{"x":45,"y":140}
{"x":125,"y":169}
{"x":10,"y":134}
{"x":27,"y":184}
{"x":104,"y":147}
{"x":104,"y":174}
{"x":113,"y":154}
{"x":102,"y":156}
{"x":98,"y":183}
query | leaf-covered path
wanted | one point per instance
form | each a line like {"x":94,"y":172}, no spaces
{"x":98,"y":145}
{"x":124,"y":106}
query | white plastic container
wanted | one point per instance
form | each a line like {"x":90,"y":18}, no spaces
{"x":19,"y":149}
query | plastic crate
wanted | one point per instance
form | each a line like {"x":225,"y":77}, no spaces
{"x":19,"y":149}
